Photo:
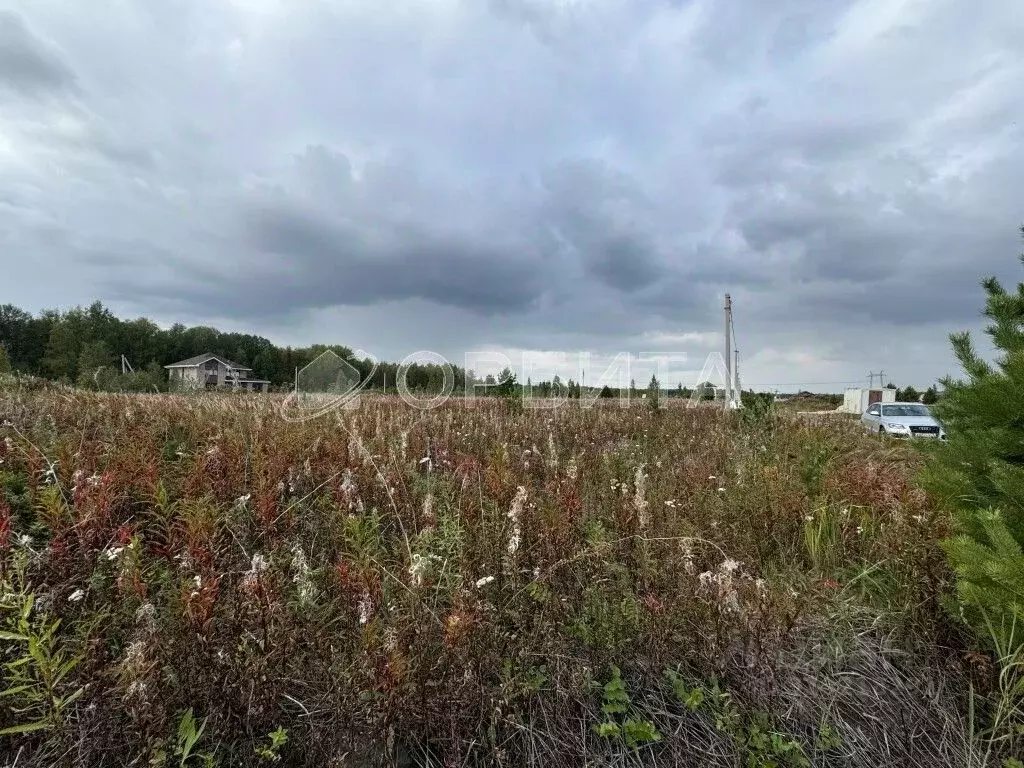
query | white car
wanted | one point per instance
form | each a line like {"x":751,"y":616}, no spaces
{"x":902,"y":420}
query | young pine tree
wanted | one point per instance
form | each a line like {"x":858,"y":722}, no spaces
{"x":654,"y":393}
{"x":979,"y":471}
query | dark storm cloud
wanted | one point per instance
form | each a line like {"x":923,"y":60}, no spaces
{"x":27,"y":64}
{"x":326,"y":263}
{"x":522,"y":173}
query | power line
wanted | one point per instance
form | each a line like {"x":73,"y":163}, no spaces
{"x":804,"y":383}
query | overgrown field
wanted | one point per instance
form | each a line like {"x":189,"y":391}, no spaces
{"x":470,"y":585}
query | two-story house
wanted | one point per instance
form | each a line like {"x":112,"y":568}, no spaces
{"x":213,"y":372}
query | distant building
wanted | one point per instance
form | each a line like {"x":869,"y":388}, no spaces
{"x":213,"y":372}
{"x":859,"y":399}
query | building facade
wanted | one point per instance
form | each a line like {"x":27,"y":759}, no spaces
{"x":213,"y":372}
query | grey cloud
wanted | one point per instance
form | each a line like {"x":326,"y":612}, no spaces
{"x":27,"y":64}
{"x":516,"y":172}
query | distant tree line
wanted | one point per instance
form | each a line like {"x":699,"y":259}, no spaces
{"x":84,"y":346}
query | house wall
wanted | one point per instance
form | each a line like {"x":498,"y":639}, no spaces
{"x":212,"y":373}
{"x":186,"y":377}
{"x":858,"y":399}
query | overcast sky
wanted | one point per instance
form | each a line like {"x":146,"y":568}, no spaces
{"x":549,"y":176}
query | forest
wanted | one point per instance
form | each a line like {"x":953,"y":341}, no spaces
{"x":84,"y":346}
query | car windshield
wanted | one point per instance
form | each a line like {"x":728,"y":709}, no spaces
{"x":905,"y":410}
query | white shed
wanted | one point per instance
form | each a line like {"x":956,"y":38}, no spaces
{"x":858,"y":399}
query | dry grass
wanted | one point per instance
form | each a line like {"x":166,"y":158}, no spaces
{"x":453,"y":586}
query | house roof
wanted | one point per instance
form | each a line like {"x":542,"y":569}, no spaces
{"x":192,"y":362}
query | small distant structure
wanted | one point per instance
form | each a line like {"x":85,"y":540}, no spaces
{"x":210,"y":371}
{"x":859,"y":399}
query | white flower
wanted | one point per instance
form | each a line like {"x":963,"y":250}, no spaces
{"x":302,"y":574}
{"x":75,"y":596}
{"x":241,"y":501}
{"x":711,"y":477}
{"x":484,"y":581}
{"x":251,"y":577}
{"x":113,"y":553}
{"x":418,"y":569}
{"x":25,"y":541}
{"x":365,"y":608}
{"x":721,"y":489}
{"x":670,"y":503}
{"x":515,"y":512}
{"x":571,"y":469}
{"x":640,"y":498}
{"x":729,"y":565}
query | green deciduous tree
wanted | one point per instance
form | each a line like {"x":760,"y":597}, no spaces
{"x":94,"y":365}
{"x":61,"y":360}
{"x":5,"y":363}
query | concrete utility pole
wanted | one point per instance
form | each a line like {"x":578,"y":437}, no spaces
{"x":728,"y":350}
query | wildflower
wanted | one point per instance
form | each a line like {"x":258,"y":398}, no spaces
{"x":75,"y":596}
{"x":483,"y":582}
{"x":515,"y":512}
{"x":113,"y":553}
{"x":671,"y":503}
{"x":552,"y":456}
{"x":145,"y":617}
{"x":365,"y":608}
{"x":571,"y":469}
{"x":25,"y":541}
{"x":712,"y":477}
{"x":418,"y":569}
{"x":302,"y":574}
{"x":721,"y":489}
{"x":640,"y":499}
{"x":251,"y":578}
{"x":241,"y":501}
{"x":135,"y":655}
